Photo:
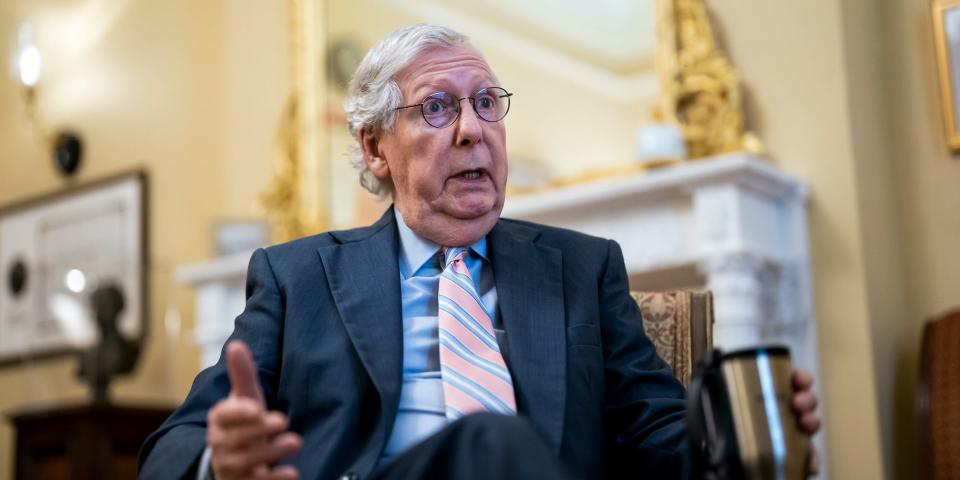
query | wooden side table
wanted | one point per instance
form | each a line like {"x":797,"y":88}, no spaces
{"x":82,"y":442}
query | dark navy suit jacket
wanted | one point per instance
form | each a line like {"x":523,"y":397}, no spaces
{"x":323,"y":320}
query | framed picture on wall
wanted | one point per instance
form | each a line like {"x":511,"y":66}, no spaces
{"x":56,"y":251}
{"x":946,"y":29}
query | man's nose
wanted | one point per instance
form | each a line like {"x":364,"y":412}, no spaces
{"x":469,"y":125}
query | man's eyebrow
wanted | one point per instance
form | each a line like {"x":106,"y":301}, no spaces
{"x":429,"y":88}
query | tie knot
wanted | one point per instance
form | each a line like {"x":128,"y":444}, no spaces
{"x":453,"y":254}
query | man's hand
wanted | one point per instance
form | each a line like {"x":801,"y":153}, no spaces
{"x":244,"y":438}
{"x":804,"y":405}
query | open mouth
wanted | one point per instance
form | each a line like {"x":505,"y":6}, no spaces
{"x":470,"y":174}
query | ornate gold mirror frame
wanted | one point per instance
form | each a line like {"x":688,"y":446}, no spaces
{"x":700,"y":93}
{"x":946,"y":13}
{"x":295,"y":202}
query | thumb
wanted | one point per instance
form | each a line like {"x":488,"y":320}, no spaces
{"x":243,"y":372}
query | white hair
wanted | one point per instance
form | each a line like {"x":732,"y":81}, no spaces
{"x":373,"y":94}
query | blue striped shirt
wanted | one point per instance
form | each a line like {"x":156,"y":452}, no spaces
{"x":421,"y":410}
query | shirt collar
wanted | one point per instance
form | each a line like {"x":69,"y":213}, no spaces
{"x":416,"y":250}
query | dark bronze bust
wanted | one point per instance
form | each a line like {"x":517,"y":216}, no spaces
{"x":113,"y":354}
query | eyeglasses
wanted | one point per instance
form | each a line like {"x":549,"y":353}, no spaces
{"x":441,"y":109}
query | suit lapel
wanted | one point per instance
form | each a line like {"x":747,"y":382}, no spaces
{"x":364,"y":278}
{"x":530,"y":292}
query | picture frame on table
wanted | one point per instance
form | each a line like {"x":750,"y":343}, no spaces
{"x":946,"y":30}
{"x":56,"y":250}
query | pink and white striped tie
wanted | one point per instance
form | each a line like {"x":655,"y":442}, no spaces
{"x":475,"y":377}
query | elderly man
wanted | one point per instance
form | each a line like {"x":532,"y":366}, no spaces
{"x":442,"y":341}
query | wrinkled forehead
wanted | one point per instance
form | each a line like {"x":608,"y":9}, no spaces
{"x":446,"y":67}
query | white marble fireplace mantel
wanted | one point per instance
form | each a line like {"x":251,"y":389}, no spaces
{"x":733,"y":224}
{"x":221,"y":295}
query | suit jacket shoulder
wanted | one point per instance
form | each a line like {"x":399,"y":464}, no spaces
{"x":582,"y":254}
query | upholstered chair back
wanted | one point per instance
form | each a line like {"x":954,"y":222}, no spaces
{"x":680,"y":324}
{"x":938,"y":397}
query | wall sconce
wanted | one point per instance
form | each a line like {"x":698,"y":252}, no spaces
{"x":66,"y":145}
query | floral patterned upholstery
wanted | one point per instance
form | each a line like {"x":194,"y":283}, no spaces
{"x":680,"y":325}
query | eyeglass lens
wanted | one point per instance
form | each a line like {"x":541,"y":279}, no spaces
{"x":442,"y":109}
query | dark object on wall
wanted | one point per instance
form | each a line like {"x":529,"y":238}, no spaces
{"x":18,"y":278}
{"x":343,"y":57}
{"x":938,"y":397}
{"x":113,"y":354}
{"x":67,"y":152}
{"x":739,"y":418}
{"x":87,"y":442}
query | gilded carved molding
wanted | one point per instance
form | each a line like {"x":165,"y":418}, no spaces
{"x":282,"y":200}
{"x":295,"y":201}
{"x":701,"y":90}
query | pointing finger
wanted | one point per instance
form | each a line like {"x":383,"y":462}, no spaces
{"x":243,"y":372}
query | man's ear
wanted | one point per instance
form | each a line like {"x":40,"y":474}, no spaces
{"x":373,"y":155}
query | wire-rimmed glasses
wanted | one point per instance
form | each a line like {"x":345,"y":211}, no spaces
{"x":442,"y":109}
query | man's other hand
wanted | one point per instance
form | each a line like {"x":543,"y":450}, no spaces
{"x":804,"y":406}
{"x":245,"y":439}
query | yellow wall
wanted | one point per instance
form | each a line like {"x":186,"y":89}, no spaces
{"x":926,"y":179}
{"x":791,"y":56}
{"x":189,"y":91}
{"x":845,"y":94}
